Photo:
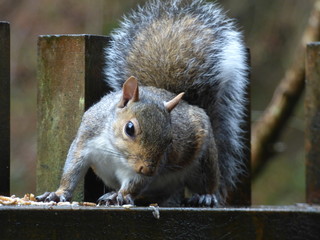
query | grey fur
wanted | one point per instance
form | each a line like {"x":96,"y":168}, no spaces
{"x":216,"y":83}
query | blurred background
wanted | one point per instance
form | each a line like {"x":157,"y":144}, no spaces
{"x":272,"y":31}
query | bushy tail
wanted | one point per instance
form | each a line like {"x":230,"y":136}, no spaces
{"x":189,"y":46}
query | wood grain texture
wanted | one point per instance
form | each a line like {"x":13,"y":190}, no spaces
{"x":69,"y":81}
{"x":174,"y":223}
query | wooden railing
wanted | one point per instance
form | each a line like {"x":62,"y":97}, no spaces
{"x":69,"y":82}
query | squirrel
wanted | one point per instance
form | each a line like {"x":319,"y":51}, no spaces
{"x":173,"y":122}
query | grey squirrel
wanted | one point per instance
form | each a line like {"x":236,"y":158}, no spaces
{"x":142,"y":139}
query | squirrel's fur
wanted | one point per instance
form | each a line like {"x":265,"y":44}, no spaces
{"x":140,"y":140}
{"x":191,"y":47}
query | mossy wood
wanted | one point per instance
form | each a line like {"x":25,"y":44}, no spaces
{"x":4,"y":108}
{"x":295,"y":222}
{"x":70,"y":73}
{"x":312,"y":131}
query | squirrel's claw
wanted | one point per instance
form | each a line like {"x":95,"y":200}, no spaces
{"x":128,"y":199}
{"x":51,"y":196}
{"x":204,"y":200}
{"x":42,"y":197}
{"x":108,"y":199}
{"x":115,"y":198}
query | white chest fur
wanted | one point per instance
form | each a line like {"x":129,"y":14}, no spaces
{"x":110,"y":165}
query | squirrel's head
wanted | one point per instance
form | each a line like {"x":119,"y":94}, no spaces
{"x":143,"y":128}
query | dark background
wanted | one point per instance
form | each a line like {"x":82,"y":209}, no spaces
{"x":272,"y":30}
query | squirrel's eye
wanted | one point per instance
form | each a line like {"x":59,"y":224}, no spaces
{"x":129,"y":129}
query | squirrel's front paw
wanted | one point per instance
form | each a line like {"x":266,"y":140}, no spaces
{"x":204,"y":200}
{"x":115,"y":198}
{"x":52,"y":196}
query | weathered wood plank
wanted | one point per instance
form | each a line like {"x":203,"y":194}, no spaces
{"x":176,"y":223}
{"x":4,"y":108}
{"x":69,"y":82}
{"x":312,"y":118}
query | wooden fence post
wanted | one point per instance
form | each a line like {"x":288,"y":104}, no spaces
{"x":4,"y":108}
{"x":70,"y":80}
{"x":312,"y":130}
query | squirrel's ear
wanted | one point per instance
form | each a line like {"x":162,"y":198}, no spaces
{"x":173,"y":102}
{"x":130,"y":91}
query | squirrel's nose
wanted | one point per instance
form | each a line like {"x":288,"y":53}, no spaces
{"x":146,"y":170}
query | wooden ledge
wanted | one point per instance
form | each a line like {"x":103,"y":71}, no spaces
{"x":74,"y":222}
{"x":298,"y":208}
